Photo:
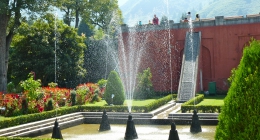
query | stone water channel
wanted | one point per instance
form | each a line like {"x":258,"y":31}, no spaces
{"x":152,"y":125}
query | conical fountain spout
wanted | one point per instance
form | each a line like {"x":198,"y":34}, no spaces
{"x":130,"y":133}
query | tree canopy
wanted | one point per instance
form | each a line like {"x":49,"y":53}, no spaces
{"x":34,"y":50}
{"x":11,"y":17}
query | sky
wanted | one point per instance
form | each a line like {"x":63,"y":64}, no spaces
{"x":121,"y":2}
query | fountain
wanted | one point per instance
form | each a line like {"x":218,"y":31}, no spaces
{"x":130,"y":132}
{"x":128,"y":68}
{"x":145,"y":132}
{"x":173,"y":133}
{"x":195,"y":124}
{"x":104,"y":125}
{"x":56,"y":133}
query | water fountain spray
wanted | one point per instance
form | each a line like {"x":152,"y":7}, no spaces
{"x":56,"y":133}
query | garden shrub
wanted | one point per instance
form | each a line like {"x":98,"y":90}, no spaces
{"x":49,"y":105}
{"x":114,"y":86}
{"x":73,"y":97}
{"x":144,"y":87}
{"x":239,"y":118}
{"x":81,"y":91}
{"x":24,"y":109}
{"x":10,"y":87}
{"x":102,"y":86}
{"x":31,"y":87}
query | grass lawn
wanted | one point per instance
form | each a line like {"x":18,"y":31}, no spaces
{"x":134,"y":102}
{"x":213,"y":100}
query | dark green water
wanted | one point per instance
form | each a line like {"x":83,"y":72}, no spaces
{"x":145,"y":132}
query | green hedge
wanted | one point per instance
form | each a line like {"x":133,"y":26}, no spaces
{"x":13,"y":121}
{"x":201,"y":108}
{"x":121,"y":108}
{"x":189,"y":106}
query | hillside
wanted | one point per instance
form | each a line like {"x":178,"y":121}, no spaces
{"x":143,"y":10}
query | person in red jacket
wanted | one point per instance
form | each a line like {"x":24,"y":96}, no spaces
{"x":155,"y":20}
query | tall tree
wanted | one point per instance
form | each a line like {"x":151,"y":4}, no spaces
{"x":73,"y":9}
{"x":84,"y":29}
{"x":95,"y":12}
{"x":34,"y":50}
{"x":102,"y":13}
{"x":10,"y":15}
{"x":164,"y":21}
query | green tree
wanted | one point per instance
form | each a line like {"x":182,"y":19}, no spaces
{"x":84,"y":29}
{"x":34,"y":50}
{"x":11,"y":17}
{"x":73,"y":9}
{"x":102,"y":12}
{"x":164,"y":21}
{"x":114,"y":87}
{"x":239,"y":118}
{"x":144,"y":88}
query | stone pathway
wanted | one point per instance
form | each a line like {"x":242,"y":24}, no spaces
{"x":171,"y":107}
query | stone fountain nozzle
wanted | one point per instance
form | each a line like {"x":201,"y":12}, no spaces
{"x":195,"y":124}
{"x":104,"y":125}
{"x":56,"y":133}
{"x":130,"y":132}
{"x":173,"y":133}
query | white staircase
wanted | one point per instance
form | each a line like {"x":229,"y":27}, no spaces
{"x":188,"y":78}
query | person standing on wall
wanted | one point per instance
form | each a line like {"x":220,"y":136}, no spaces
{"x":188,"y":16}
{"x":197,"y":17}
{"x":155,"y":20}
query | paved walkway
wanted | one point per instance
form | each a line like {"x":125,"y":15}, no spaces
{"x":163,"y":111}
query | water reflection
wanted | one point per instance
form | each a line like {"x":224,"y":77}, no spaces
{"x":145,"y":132}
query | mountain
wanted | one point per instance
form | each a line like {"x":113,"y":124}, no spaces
{"x":143,"y":10}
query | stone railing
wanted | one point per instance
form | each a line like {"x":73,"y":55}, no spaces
{"x":217,"y":21}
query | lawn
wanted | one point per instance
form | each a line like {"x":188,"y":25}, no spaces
{"x":134,"y":102}
{"x":217,"y":100}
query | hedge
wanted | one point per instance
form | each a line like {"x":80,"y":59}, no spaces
{"x":13,"y":121}
{"x":191,"y":104}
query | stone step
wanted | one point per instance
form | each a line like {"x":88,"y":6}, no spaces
{"x":189,"y":116}
{"x":39,"y":124}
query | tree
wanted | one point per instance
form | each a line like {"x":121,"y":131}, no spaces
{"x":84,"y":29}
{"x":144,"y":88}
{"x":164,"y":21}
{"x":114,"y":89}
{"x":239,"y":118}
{"x":10,"y":15}
{"x":73,"y":9}
{"x":34,"y":50}
{"x":102,"y":12}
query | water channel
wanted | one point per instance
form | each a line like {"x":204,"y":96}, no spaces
{"x":145,"y":132}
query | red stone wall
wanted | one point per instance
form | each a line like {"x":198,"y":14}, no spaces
{"x":221,"y":50}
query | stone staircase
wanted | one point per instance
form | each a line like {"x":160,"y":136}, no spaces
{"x":188,"y":78}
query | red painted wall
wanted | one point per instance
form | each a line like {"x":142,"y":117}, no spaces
{"x":221,"y":51}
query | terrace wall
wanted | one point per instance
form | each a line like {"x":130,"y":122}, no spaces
{"x":222,"y":43}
